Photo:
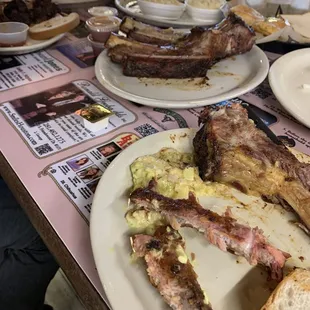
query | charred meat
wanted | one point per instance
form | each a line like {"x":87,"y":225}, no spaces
{"x":149,"y":34}
{"x":201,"y":48}
{"x":222,"y":231}
{"x":169,"y":270}
{"x":230,"y":149}
{"x":29,"y":11}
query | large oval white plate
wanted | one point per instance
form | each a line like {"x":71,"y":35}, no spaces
{"x":227,"y":79}
{"x":30,"y":47}
{"x":286,"y":76}
{"x":230,"y":286}
{"x":131,"y":8}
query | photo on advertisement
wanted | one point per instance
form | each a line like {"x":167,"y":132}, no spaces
{"x":90,"y":173}
{"x":109,"y":149}
{"x":8,"y":62}
{"x":81,"y":53}
{"x":51,"y":104}
{"x":79,"y":162}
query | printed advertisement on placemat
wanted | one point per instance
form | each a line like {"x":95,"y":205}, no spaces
{"x":47,"y":121}
{"x":79,"y":175}
{"x":80,"y":52}
{"x":25,"y":69}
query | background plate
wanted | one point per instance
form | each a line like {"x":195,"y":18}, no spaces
{"x":131,"y":8}
{"x":229,"y":285}
{"x":30,"y":47}
{"x":228,"y":79}
{"x":287,"y":74}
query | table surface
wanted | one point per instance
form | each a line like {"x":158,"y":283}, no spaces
{"x":59,"y":212}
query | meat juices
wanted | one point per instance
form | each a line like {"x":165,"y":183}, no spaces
{"x":222,"y":231}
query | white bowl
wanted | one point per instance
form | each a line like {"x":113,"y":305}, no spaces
{"x":199,"y":14}
{"x":13,"y":34}
{"x":103,"y":11}
{"x":163,"y":11}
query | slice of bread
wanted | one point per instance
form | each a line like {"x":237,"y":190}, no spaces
{"x":293,"y":293}
{"x":249,"y":15}
{"x":54,"y":26}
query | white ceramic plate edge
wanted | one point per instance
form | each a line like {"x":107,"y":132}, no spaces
{"x":181,"y":104}
{"x":17,"y":50}
{"x":273,"y":78}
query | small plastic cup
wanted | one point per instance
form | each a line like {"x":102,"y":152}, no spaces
{"x":101,"y":27}
{"x":13,"y":34}
{"x":98,"y":47}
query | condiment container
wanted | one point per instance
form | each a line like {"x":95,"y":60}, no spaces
{"x":98,"y":47}
{"x":13,"y":34}
{"x":103,"y":11}
{"x":161,"y":10}
{"x":95,"y":117}
{"x":203,"y":14}
{"x":101,"y":27}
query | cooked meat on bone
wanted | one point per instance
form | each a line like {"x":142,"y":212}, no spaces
{"x":29,"y":12}
{"x":222,"y":231}
{"x":149,"y":34}
{"x":230,"y":149}
{"x":173,"y":276}
{"x":230,"y":37}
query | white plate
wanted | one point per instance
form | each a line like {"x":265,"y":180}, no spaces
{"x":227,"y":79}
{"x":30,"y":46}
{"x":230,"y":286}
{"x":131,"y":8}
{"x":286,"y":76}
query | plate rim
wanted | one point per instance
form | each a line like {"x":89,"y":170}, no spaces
{"x":273,"y":77}
{"x":164,"y":22}
{"x":31,"y":48}
{"x":259,"y":77}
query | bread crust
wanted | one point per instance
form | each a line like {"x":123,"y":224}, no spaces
{"x":297,"y":282}
{"x":44,"y":31}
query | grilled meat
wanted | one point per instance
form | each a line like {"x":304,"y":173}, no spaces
{"x":149,"y":34}
{"x":222,"y":231}
{"x":230,"y":149}
{"x":231,"y":37}
{"x":174,"y":66}
{"x":29,"y":11}
{"x":119,"y":48}
{"x":169,"y":270}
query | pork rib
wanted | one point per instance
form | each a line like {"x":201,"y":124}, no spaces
{"x":149,"y":34}
{"x":174,"y":66}
{"x":222,"y":231}
{"x":230,"y":149}
{"x":173,"y":276}
{"x":231,"y":37}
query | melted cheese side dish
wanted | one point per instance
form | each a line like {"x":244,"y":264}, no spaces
{"x":174,"y":173}
{"x":207,"y":4}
